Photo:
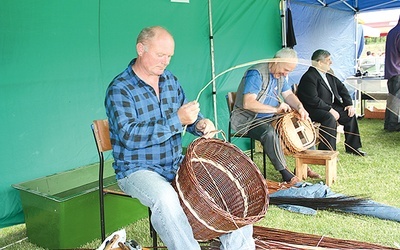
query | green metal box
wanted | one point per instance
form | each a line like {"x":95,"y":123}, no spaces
{"x":62,"y":210}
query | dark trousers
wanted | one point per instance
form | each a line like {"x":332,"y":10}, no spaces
{"x":392,"y":113}
{"x":328,"y":128}
{"x":264,"y":132}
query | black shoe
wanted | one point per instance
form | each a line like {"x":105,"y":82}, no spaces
{"x":358,"y":152}
{"x":392,"y":129}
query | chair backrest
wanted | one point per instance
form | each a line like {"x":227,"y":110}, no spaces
{"x":102,"y":135}
{"x":230,"y":98}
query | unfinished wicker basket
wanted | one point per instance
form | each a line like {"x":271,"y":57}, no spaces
{"x":220,"y":188}
{"x":296,"y":135}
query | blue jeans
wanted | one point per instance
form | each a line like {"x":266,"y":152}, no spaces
{"x":168,"y":217}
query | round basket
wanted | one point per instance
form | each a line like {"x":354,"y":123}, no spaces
{"x":220,"y":188}
{"x":296,"y":135}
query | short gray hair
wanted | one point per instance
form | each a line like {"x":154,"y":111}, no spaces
{"x":148,"y":33}
{"x":320,"y":55}
{"x":286,"y":53}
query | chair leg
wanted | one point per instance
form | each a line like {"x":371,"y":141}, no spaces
{"x":101,"y":199}
{"x":153,"y":233}
{"x":102,"y":222}
{"x":252,"y":146}
{"x":264,"y":165}
{"x":252,"y":150}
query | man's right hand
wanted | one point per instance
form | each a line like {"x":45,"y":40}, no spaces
{"x":283,"y":108}
{"x":334,"y":113}
{"x":188,"y":112}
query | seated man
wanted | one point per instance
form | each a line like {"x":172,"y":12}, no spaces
{"x":328,"y":102}
{"x":258,"y":99}
{"x":147,"y":111}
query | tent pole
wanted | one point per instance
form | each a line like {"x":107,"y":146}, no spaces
{"x":357,"y":45}
{"x":214,"y":89}
{"x":283,"y":17}
{"x":356,"y":62}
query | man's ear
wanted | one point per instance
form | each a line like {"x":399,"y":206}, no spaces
{"x":140,"y":48}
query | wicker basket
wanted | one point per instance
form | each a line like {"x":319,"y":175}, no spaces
{"x":220,"y":188}
{"x":295,"y":135}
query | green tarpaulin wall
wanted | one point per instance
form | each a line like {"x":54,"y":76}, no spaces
{"x":58,"y":57}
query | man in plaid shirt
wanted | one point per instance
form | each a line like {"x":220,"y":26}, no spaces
{"x":147,"y":112}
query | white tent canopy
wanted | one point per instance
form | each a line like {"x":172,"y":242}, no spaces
{"x":371,"y":32}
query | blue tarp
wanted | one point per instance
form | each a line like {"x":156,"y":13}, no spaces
{"x":316,"y":27}
{"x":334,"y":30}
{"x":331,"y":25}
{"x":354,"y":5}
{"x":364,"y":207}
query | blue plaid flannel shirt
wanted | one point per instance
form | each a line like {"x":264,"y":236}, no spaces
{"x":145,"y":132}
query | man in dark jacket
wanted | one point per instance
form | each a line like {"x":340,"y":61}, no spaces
{"x":392,"y":73}
{"x":328,"y":102}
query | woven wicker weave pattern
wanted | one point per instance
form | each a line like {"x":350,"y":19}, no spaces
{"x":296,"y":135}
{"x":220,"y":188}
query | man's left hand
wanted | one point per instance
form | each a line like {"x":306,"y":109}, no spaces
{"x":350,"y":110}
{"x":206,"y":127}
{"x":303,"y":113}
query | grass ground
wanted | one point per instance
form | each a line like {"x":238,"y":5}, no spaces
{"x":376,"y":176}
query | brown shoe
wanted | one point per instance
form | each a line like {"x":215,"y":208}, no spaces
{"x":294,"y":180}
{"x":312,"y":174}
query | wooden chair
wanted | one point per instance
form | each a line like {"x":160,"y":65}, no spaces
{"x":230,"y":98}
{"x":101,"y":135}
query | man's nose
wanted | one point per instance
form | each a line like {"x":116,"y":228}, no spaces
{"x":166,"y":60}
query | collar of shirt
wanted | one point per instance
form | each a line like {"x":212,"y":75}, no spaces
{"x":323,"y":75}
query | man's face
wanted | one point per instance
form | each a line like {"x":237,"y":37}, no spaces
{"x":280,"y":69}
{"x":325,"y":64}
{"x":156,"y":54}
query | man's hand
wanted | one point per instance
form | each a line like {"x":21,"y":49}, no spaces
{"x":334,"y":113}
{"x":283,"y":108}
{"x":303,"y":113}
{"x":206,"y":127}
{"x":350,"y":110}
{"x":188,"y":112}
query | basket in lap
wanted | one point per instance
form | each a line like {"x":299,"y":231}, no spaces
{"x":220,"y":188}
{"x":296,"y":135}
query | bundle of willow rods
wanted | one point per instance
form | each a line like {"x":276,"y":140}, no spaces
{"x":272,"y":237}
{"x":328,"y":203}
{"x":270,"y":244}
{"x":274,"y":186}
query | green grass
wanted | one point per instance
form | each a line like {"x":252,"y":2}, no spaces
{"x":376,"y":176}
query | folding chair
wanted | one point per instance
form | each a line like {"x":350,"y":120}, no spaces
{"x":230,"y":98}
{"x":101,"y":135}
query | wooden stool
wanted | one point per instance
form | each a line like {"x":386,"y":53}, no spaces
{"x":317,"y":157}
